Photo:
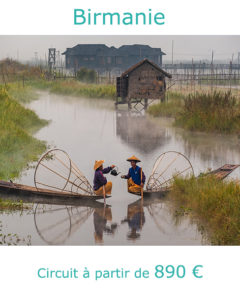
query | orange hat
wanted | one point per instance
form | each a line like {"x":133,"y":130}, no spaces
{"x":98,"y":164}
{"x":133,"y":158}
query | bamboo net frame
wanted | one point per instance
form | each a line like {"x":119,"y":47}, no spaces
{"x":56,"y":171}
{"x":168,"y":165}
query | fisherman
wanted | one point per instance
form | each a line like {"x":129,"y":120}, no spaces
{"x":99,"y":180}
{"x":135,"y":176}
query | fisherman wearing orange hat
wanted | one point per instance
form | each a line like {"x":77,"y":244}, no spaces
{"x":135,"y":176}
{"x":99,"y":180}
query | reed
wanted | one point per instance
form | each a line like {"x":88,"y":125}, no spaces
{"x":214,"y":204}
{"x":211,"y":112}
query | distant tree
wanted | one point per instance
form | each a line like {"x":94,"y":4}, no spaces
{"x":87,"y":75}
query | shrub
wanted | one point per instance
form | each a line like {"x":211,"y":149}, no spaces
{"x":87,"y":75}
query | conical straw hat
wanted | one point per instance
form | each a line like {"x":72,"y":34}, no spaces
{"x":133,"y":158}
{"x":98,"y":164}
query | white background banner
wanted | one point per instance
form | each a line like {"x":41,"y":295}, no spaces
{"x":19,"y":265}
{"x":181,"y":17}
{"x":19,"y":272}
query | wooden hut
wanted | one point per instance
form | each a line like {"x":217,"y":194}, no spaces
{"x":144,"y":80}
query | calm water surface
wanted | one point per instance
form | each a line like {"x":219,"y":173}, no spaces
{"x":91,"y":129}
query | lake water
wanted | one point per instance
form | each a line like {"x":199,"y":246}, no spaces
{"x":89,"y":129}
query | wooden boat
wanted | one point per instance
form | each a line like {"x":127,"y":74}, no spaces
{"x":222,"y":172}
{"x":43,"y":195}
{"x":153,"y":194}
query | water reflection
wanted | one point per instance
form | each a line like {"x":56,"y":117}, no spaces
{"x":135,"y":219}
{"x":55,"y":224}
{"x":213,"y":150}
{"x":102,"y":219}
{"x":140,"y":132}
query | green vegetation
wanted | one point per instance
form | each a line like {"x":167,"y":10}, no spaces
{"x":77,"y":88}
{"x":169,"y":108}
{"x":210,"y":112}
{"x":17,"y":146}
{"x":10,"y":205}
{"x":215,"y":204}
{"x":216,"y":111}
{"x":166,"y":109}
{"x":22,"y":94}
{"x":87,"y":75}
{"x":10,"y":239}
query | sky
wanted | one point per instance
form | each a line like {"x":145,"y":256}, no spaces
{"x":185,"y":48}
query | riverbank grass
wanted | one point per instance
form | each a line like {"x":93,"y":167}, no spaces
{"x":17,"y":146}
{"x":172,"y":107}
{"x":23,"y":94}
{"x":210,"y":112}
{"x":76,"y":88}
{"x":216,"y":111}
{"x":215,"y":204}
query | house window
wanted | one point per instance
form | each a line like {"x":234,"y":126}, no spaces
{"x":159,"y":78}
{"x":109,"y":60}
{"x":92,"y":58}
{"x":119,"y":60}
{"x":85,"y":58}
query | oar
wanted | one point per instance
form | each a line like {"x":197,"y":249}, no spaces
{"x":141,"y":201}
{"x":104,"y":197}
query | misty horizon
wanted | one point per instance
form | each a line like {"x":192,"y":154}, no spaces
{"x":177,"y":48}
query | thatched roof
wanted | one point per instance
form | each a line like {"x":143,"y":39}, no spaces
{"x":140,"y":63}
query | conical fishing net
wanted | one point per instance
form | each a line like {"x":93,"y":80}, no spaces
{"x":56,"y":172}
{"x":167,"y":166}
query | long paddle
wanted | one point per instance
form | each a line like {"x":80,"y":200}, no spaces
{"x":104,"y":197}
{"x":141,"y":201}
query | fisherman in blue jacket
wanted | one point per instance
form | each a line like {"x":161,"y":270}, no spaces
{"x":136,"y":177}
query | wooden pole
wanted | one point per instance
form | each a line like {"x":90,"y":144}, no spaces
{"x":104,"y":197}
{"x":141,"y":202}
{"x":141,"y":187}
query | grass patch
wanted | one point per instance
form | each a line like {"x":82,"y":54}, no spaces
{"x":170,"y":108}
{"x":211,"y":112}
{"x":23,"y":94}
{"x":76,"y":88}
{"x":17,"y":146}
{"x":216,"y":204}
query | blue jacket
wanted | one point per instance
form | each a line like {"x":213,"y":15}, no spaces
{"x":136,"y":175}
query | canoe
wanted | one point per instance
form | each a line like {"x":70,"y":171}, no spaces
{"x":222,"y":172}
{"x":53,"y":197}
{"x":152,"y":194}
